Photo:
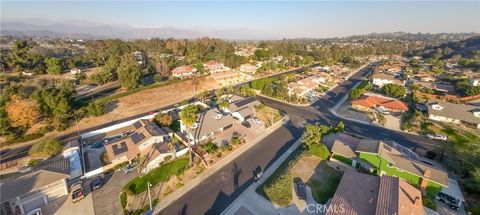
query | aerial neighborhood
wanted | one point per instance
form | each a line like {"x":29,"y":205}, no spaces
{"x":172,"y":120}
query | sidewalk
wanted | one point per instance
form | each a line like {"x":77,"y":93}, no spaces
{"x":165,"y":202}
{"x":257,"y":203}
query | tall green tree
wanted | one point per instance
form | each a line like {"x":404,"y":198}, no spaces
{"x":129,"y":72}
{"x":394,"y":90}
{"x":19,"y":55}
{"x":54,"y":65}
{"x":188,"y":116}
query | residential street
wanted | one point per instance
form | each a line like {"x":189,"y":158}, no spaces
{"x":216,"y":193}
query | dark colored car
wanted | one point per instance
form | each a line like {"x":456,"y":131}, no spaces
{"x":431,"y":155}
{"x":96,"y":183}
{"x":257,"y":173}
{"x":77,"y":191}
{"x":300,"y":188}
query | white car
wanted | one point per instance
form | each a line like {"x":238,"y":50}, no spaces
{"x":437,"y":137}
{"x":256,"y":120}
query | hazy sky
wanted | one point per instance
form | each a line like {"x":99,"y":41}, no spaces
{"x":285,"y":18}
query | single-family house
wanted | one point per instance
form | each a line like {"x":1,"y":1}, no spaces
{"x":144,"y":137}
{"x":184,"y":72}
{"x":306,"y":86}
{"x":32,"y":190}
{"x":207,"y":124}
{"x":75,"y":71}
{"x":214,"y":66}
{"x":363,"y":194}
{"x":368,"y":102}
{"x":448,"y":112}
{"x":392,"y":160}
{"x":243,"y":109}
{"x":248,"y":68}
{"x":380,"y":79}
{"x":475,"y":81}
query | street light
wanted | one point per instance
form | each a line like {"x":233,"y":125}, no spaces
{"x":149,"y":196}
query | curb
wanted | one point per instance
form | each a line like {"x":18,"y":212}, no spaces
{"x":216,"y":167}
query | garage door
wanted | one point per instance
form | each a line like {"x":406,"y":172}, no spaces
{"x":34,"y":204}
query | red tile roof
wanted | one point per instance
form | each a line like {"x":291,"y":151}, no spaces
{"x":183,"y":69}
{"x":373,"y":101}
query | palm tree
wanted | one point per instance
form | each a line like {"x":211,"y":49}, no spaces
{"x":223,"y":104}
{"x":188,"y":116}
{"x":172,"y":145}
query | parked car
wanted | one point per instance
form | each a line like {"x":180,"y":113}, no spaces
{"x":431,"y":155}
{"x":437,"y":137}
{"x":300,"y":188}
{"x":257,"y":173}
{"x":77,"y":191}
{"x":256,"y":120}
{"x":96,"y":182}
{"x":129,"y":168}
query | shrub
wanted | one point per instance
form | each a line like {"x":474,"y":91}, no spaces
{"x":355,"y":93}
{"x":319,"y":150}
{"x":163,"y":119}
{"x":175,"y":125}
{"x":210,"y":147}
{"x":394,"y":90}
{"x":46,"y":148}
{"x":96,"y":109}
{"x":123,"y":199}
{"x":429,"y":202}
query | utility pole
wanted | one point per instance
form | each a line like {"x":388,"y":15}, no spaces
{"x":82,"y":148}
{"x":149,"y":196}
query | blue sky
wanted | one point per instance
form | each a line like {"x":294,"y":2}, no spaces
{"x":288,"y":19}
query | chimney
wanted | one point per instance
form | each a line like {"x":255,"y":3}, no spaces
{"x":418,"y":201}
{"x":423,"y":185}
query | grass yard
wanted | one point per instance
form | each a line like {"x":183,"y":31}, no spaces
{"x":269,"y":115}
{"x":160,"y":174}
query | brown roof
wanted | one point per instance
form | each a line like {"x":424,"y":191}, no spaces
{"x":183,"y":69}
{"x":357,"y":193}
{"x":142,"y":131}
{"x":396,"y":196}
{"x":362,"y":194}
{"x":373,"y":101}
{"x":344,"y":149}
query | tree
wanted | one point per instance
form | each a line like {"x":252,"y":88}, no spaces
{"x":355,"y":93}
{"x":223,"y":104}
{"x":394,"y":90}
{"x":96,"y":109}
{"x":54,"y":65}
{"x":46,"y":148}
{"x":103,"y":75}
{"x":188,"y":116}
{"x":312,"y":135}
{"x":19,"y":55}
{"x":340,"y":127}
{"x":163,"y":119}
{"x":129,"y":73}
{"x":319,"y":150}
{"x":262,"y":54}
{"x":22,"y":112}
{"x":473,"y":182}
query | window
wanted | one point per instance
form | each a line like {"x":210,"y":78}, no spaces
{"x":390,"y":165}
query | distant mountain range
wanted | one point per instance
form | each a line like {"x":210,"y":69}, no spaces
{"x":83,"y":29}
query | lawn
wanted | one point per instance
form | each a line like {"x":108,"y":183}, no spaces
{"x":160,"y":174}
{"x":268,"y":115}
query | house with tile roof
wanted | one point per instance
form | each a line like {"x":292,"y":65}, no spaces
{"x":184,"y":72}
{"x":366,"y":102}
{"x":363,"y":194}
{"x":306,"y":86}
{"x":448,"y":112}
{"x":214,"y":66}
{"x":377,"y":157}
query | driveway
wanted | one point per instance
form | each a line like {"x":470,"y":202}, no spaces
{"x":106,"y":200}
{"x":65,"y":206}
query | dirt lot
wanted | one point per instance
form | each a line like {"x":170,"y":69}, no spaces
{"x":322,"y":179}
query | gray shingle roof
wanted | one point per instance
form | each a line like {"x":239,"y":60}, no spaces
{"x":454,"y":111}
{"x":210,"y":121}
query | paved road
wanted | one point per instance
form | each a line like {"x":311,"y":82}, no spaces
{"x":17,"y":152}
{"x":217,"y":192}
